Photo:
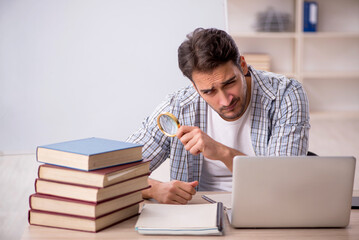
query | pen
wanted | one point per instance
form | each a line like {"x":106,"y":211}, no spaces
{"x":220,"y":216}
{"x":208,"y":199}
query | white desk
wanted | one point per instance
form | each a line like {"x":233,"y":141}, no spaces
{"x":125,"y":230}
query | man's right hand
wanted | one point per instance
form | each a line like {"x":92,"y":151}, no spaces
{"x":174,"y":192}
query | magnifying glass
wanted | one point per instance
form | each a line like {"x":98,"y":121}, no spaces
{"x":168,"y":124}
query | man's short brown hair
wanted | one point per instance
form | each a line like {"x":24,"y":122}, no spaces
{"x":206,"y":49}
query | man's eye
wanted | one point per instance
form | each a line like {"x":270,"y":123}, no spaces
{"x":229,"y":83}
{"x":208,"y":92}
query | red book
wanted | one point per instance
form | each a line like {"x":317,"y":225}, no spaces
{"x":87,"y":224}
{"x":96,"y":178}
{"x":88,"y":193}
{"x":61,"y":205}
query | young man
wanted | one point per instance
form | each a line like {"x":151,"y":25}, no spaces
{"x":229,"y":109}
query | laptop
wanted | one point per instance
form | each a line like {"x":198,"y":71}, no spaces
{"x":291,"y":192}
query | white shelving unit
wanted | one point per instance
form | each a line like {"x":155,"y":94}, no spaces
{"x":326,"y":61}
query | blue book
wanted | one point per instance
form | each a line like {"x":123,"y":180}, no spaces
{"x":89,"y":153}
{"x":310,"y":16}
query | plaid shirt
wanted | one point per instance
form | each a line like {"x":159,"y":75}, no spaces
{"x":279,"y":124}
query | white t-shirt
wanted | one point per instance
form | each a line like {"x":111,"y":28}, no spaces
{"x":215,"y":175}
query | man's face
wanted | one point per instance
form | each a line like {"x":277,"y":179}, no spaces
{"x":224,"y":89}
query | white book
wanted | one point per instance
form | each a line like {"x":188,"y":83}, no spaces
{"x":169,"y":219}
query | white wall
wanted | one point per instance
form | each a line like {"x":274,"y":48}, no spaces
{"x":79,"y":68}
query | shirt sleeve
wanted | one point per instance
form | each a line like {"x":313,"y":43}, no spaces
{"x":290,"y":125}
{"x":156,"y":145}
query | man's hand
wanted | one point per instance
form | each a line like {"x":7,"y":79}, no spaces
{"x":196,"y":141}
{"x":174,"y":192}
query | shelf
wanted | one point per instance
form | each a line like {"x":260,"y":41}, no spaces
{"x":331,"y":75}
{"x":330,"y":35}
{"x":278,"y":35}
{"x":325,"y":62}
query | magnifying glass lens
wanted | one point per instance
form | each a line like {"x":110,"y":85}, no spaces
{"x":168,"y":124}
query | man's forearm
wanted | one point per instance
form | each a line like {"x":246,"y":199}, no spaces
{"x":228,"y":155}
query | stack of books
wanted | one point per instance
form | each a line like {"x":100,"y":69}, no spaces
{"x":88,"y":184}
{"x":258,"y":61}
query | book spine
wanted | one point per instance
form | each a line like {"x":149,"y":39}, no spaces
{"x":85,"y":217}
{"x":33,"y":224}
{"x":65,"y":183}
{"x":35,"y":184}
{"x":310,"y":17}
{"x":28,"y":216}
{"x":122,"y":220}
{"x":58,"y":198}
{"x":30,"y":205}
{"x":89,"y":187}
{"x":305,"y":16}
{"x":37,"y":154}
{"x":38,"y":171}
{"x":63,"y":199}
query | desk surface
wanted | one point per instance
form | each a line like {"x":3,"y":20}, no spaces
{"x":125,"y":230}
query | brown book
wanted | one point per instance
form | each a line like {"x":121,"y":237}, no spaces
{"x":49,"y":203}
{"x":87,"y":224}
{"x":89,"y":153}
{"x":97,"y":178}
{"x":88,"y":193}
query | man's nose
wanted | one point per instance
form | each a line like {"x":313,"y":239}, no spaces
{"x":225,"y":98}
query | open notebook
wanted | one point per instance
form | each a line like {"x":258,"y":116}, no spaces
{"x":168,"y":219}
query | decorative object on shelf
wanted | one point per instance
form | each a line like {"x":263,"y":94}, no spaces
{"x":260,"y":61}
{"x":273,"y":21}
{"x":310,"y":16}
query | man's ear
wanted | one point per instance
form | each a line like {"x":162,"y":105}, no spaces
{"x":244,"y":66}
